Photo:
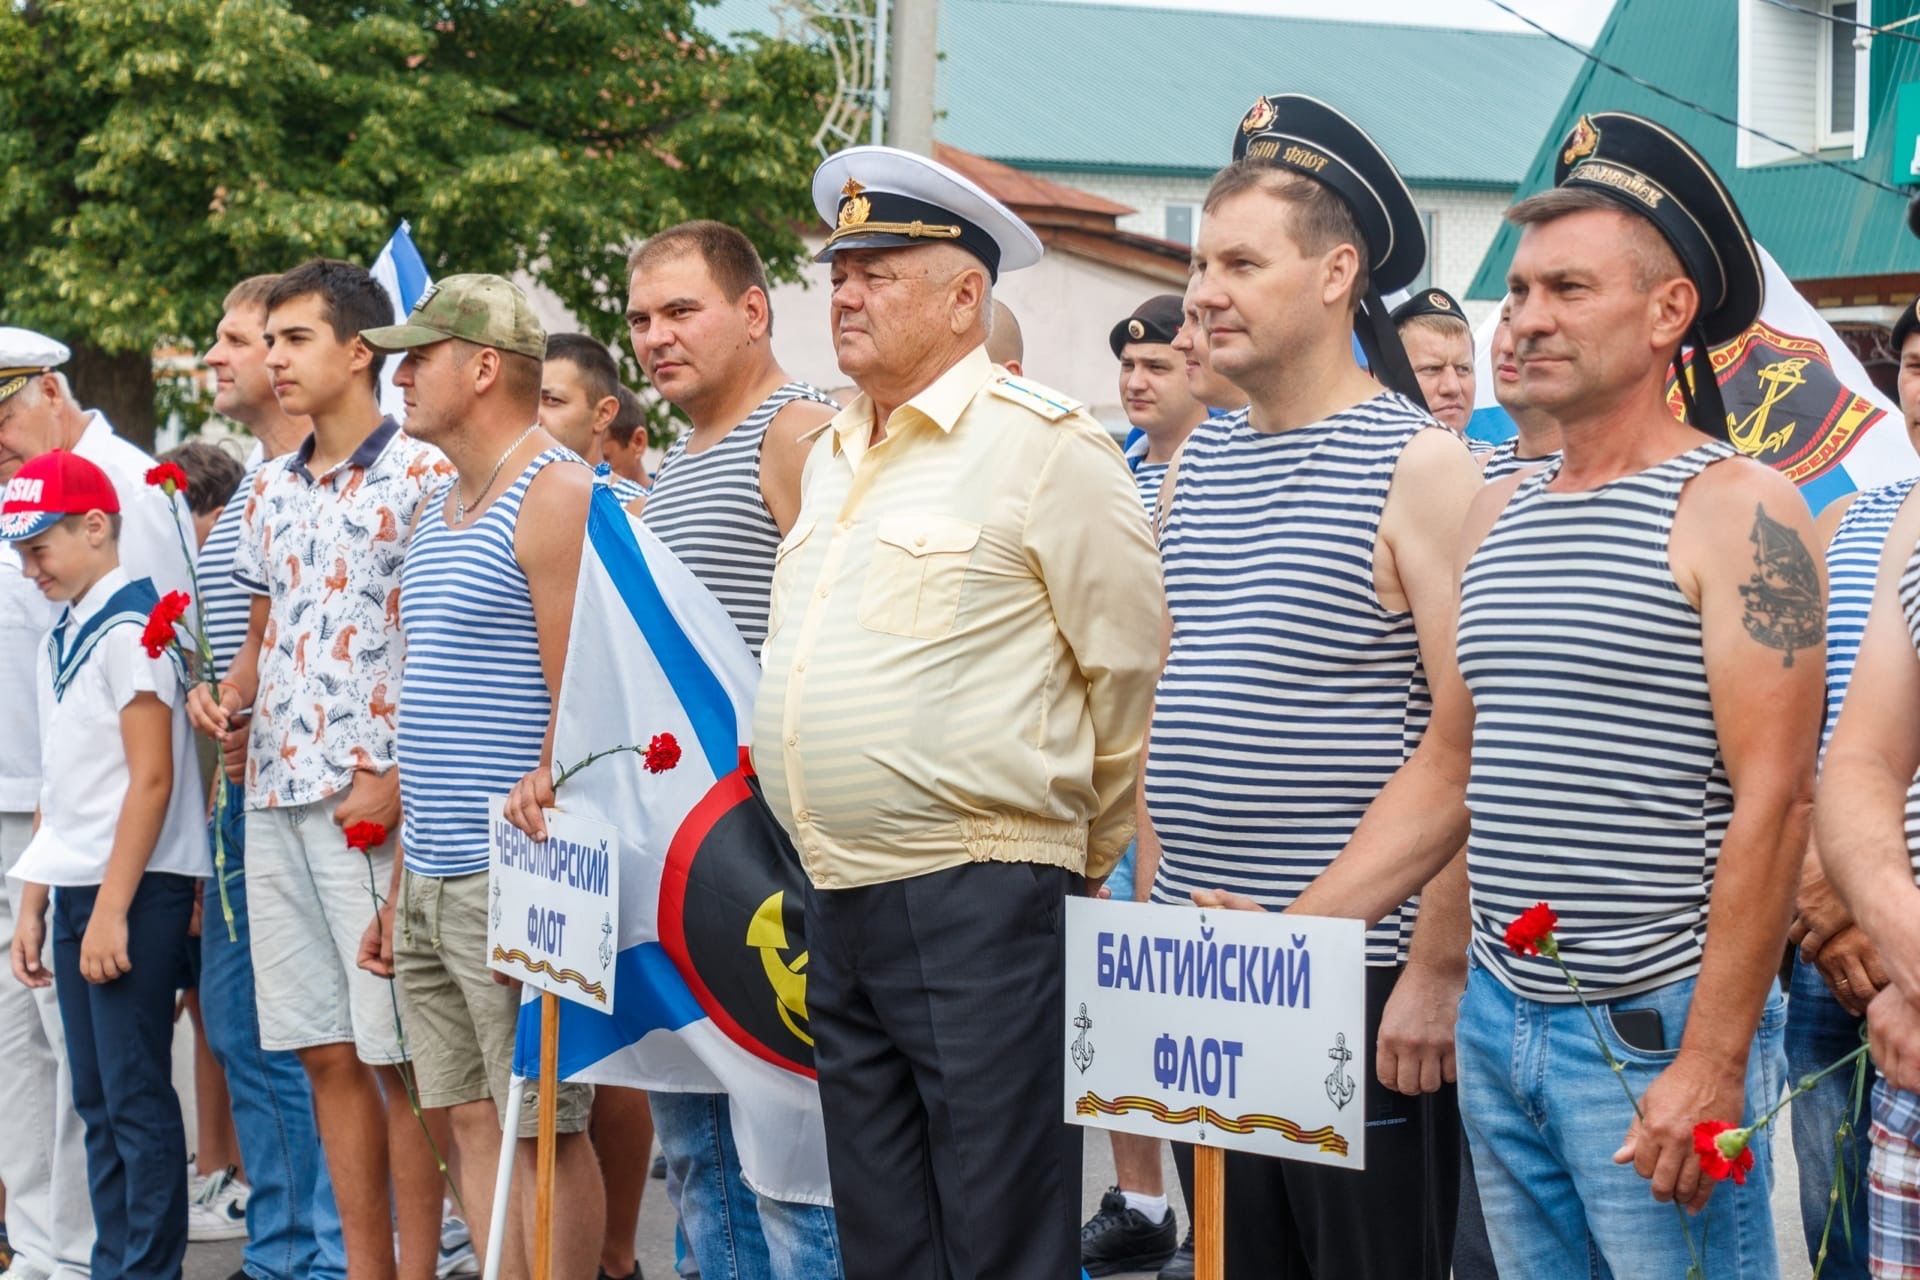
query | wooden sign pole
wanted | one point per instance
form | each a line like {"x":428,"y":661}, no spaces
{"x":1209,"y":1212}
{"x":549,"y":1115}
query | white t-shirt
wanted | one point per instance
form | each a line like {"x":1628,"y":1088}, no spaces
{"x":83,"y":760}
{"x":25,"y":618}
{"x":150,"y":525}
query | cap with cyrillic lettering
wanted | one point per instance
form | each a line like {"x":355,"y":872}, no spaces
{"x":51,"y":487}
{"x":487,"y":310}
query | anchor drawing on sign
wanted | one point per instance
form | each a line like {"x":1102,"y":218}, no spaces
{"x":496,"y":906}
{"x":1340,"y":1086}
{"x":1082,"y":1052}
{"x":606,"y":942}
{"x":1750,"y":435}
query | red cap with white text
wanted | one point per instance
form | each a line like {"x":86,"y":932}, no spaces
{"x":50,"y":488}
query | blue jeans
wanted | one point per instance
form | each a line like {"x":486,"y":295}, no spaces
{"x":293,"y":1229}
{"x":732,"y":1233}
{"x":1120,"y":879}
{"x":119,"y":1045}
{"x":1819,"y":1031}
{"x":1544,"y":1115}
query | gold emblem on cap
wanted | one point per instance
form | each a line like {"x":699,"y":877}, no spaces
{"x":1259,"y":116}
{"x":1581,"y":142}
{"x":1136,"y":330}
{"x":854,"y":208}
{"x":1439,"y":300}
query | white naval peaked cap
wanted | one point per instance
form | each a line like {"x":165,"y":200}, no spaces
{"x":24,"y":355}
{"x":883,"y":197}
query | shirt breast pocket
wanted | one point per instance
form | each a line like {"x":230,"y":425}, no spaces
{"x":783,"y":582}
{"x":919,"y":566}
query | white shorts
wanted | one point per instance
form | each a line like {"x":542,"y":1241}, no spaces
{"x":309,"y":901}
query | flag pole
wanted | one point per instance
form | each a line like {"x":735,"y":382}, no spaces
{"x":503,"y":1179}
{"x":549,"y":1114}
{"x":1209,"y":1212}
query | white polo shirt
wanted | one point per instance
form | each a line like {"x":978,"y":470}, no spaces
{"x":83,"y":760}
{"x":25,"y":618}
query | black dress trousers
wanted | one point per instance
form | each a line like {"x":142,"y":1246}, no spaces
{"x":936,"y":1010}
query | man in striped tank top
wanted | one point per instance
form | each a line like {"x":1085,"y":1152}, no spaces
{"x":1630,"y":720}
{"x":701,"y":326}
{"x":702,"y":330}
{"x":1306,"y":545}
{"x":486,"y":605}
{"x":1440,"y":348}
{"x":1537,"y":439}
{"x":1837,"y":972}
{"x":579,"y":400}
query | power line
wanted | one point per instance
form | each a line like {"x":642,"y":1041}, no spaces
{"x":1702,"y":108}
{"x":1839,"y":21}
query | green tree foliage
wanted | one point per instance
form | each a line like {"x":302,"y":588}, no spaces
{"x":157,"y":151}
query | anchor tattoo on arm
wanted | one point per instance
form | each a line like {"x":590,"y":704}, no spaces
{"x":1784,"y":608}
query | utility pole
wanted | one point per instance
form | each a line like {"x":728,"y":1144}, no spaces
{"x":913,"y":39}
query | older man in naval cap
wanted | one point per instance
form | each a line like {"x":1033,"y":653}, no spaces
{"x":963,"y":646}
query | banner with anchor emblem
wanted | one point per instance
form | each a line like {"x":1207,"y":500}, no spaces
{"x":655,"y":713}
{"x":1234,"y":1029}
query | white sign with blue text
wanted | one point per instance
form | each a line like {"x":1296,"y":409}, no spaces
{"x":1235,"y":1029}
{"x":553,"y":905}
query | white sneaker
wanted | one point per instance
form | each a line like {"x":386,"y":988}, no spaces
{"x":456,"y":1250}
{"x":24,"y":1270}
{"x":219,"y":1211}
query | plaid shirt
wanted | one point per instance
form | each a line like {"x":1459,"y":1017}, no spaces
{"x":1893,"y":1185}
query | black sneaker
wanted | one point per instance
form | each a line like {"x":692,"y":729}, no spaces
{"x":1120,"y":1239}
{"x":1180,"y":1266}
{"x":659,"y":1169}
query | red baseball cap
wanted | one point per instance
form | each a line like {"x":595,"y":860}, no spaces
{"x":50,"y":488}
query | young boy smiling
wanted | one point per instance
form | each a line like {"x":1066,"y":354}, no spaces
{"x":119,"y":839}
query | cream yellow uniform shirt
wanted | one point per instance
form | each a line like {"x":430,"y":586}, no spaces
{"x":964,"y":640}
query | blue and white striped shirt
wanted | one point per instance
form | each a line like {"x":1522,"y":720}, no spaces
{"x":226,"y":603}
{"x":1596,"y":783}
{"x":1853,"y":564}
{"x":473,"y":702}
{"x":1290,"y":692}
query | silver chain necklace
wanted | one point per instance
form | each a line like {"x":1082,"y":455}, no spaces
{"x":460,"y":503}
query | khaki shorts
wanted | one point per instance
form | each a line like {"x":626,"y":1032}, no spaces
{"x":459,"y":1022}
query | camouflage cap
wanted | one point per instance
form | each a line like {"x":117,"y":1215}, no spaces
{"x":484,"y":309}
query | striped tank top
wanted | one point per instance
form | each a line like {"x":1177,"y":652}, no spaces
{"x":1910,"y":609}
{"x":1500,"y":461}
{"x":473,"y":700}
{"x":707,"y":507}
{"x":1853,"y":565}
{"x":1147,"y":478}
{"x":1596,"y":784}
{"x":1289,"y":694}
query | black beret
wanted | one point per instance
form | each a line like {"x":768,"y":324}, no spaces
{"x":1155,"y":320}
{"x":1648,"y":170}
{"x":1309,"y":137}
{"x":1904,"y":327}
{"x":1429,"y":302}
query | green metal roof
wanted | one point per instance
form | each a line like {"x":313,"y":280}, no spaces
{"x":1817,"y":223}
{"x":1042,"y":84}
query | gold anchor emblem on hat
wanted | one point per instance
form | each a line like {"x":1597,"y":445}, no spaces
{"x":854,"y":208}
{"x":1581,"y":142}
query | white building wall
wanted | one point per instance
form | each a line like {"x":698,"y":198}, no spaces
{"x":1465,"y":220}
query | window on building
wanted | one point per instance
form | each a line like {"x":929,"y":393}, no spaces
{"x":1183,"y":223}
{"x":1803,"y":79}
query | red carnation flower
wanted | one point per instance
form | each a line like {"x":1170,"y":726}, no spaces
{"x":662,"y":753}
{"x":167,"y":476}
{"x":1723,"y":1150}
{"x":1532,"y":933}
{"x":366,"y":836}
{"x":158,"y":633}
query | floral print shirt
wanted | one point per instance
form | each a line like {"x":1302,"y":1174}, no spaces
{"x":326,"y":551}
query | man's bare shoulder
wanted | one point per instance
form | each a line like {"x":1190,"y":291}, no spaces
{"x":798,"y":421}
